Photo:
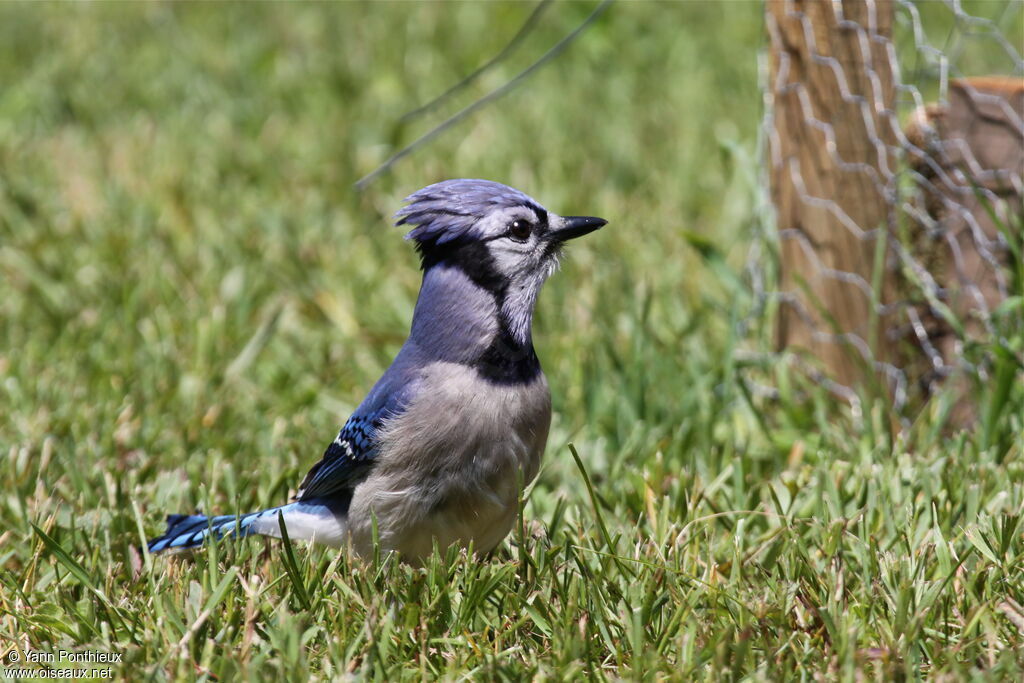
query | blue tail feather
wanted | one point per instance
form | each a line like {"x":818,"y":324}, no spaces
{"x":189,"y":531}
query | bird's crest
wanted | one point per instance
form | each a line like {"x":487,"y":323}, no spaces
{"x":451,"y":209}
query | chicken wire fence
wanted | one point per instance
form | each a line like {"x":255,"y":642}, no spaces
{"x":893,"y":152}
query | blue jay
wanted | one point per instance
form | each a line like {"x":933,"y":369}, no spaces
{"x":440,"y":448}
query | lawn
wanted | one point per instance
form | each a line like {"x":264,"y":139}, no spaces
{"x":194,"y":296}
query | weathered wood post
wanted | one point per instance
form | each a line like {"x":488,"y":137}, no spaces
{"x":832,"y":175}
{"x":967,"y":156}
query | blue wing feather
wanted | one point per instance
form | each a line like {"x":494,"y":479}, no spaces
{"x":348,"y":459}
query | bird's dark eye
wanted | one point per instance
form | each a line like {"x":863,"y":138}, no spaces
{"x":520,"y":230}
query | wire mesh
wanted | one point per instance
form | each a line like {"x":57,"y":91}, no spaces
{"x":951,"y":192}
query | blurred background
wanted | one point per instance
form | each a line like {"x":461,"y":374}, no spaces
{"x":194,"y":295}
{"x":189,"y":270}
{"x":191,"y":276}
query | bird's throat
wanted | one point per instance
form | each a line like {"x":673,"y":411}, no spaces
{"x":458,"y":320}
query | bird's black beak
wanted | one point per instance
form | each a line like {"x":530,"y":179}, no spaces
{"x":576,"y":226}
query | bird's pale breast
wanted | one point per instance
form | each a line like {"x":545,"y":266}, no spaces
{"x":450,"y":468}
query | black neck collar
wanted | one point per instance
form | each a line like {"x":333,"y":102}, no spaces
{"x":506,"y":360}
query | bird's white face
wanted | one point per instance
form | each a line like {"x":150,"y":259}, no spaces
{"x":519,"y":241}
{"x":524,"y":243}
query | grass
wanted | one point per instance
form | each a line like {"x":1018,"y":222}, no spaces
{"x":193,"y":297}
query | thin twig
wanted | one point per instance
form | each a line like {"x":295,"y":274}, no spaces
{"x":524,"y":31}
{"x":486,"y":99}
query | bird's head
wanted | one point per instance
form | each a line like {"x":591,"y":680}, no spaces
{"x":497,"y":234}
{"x":502,"y":242}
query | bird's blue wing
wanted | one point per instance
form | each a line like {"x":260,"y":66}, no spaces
{"x":347,"y":460}
{"x":349,"y":457}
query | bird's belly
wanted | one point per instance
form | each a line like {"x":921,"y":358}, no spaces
{"x":478,"y":510}
{"x":482,"y":530}
{"x":475,"y":505}
{"x":450,"y":469}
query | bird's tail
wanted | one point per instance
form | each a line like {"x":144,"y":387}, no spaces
{"x":324,"y":522}
{"x":188,"y":531}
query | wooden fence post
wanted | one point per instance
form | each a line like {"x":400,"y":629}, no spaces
{"x":832,"y":174}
